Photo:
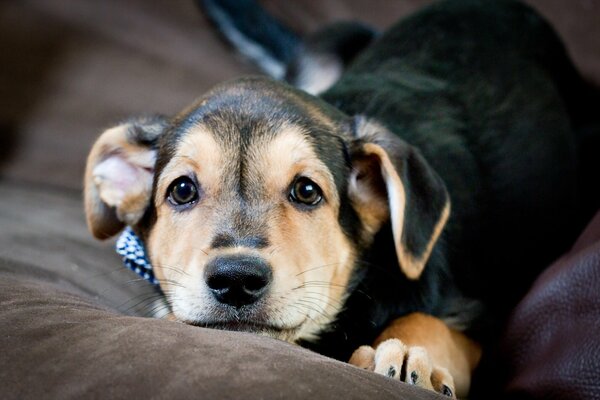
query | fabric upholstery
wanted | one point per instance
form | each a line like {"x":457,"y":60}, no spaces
{"x":552,"y":342}
{"x":58,"y":345}
{"x":71,"y":316}
{"x":65,"y":332}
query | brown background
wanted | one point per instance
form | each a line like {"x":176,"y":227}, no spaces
{"x":68,"y":69}
{"x":71,"y":68}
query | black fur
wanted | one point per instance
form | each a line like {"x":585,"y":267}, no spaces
{"x":469,"y":84}
{"x":486,"y":92}
{"x":479,"y":88}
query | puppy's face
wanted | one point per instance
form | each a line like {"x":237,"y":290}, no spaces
{"x":247,"y":231}
{"x":254,"y":205}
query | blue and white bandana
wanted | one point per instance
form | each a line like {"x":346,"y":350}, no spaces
{"x":131,"y":248}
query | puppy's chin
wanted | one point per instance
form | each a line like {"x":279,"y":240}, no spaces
{"x":288,"y":334}
{"x":261,"y":329}
{"x":251,"y":320}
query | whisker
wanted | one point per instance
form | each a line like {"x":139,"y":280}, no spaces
{"x":132,"y":281}
{"x":276,"y":248}
{"x":320,"y":266}
{"x":163,"y":306}
{"x":309,"y":295}
{"x":320,"y":284}
{"x":172,"y":268}
{"x":303,"y":310}
{"x":140,"y":304}
{"x":172,"y":283}
{"x":199,"y":248}
{"x":314,"y":308}
{"x":116,"y":285}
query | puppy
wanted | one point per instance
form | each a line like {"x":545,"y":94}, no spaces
{"x":390,"y":222}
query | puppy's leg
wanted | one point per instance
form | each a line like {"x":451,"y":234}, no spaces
{"x":422,"y":350}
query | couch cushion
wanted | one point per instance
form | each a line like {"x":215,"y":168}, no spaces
{"x":43,"y":237}
{"x":63,"y":332}
{"x":552,"y":343}
{"x":58,"y":345}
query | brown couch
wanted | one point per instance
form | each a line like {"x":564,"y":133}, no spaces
{"x":71,"y":321}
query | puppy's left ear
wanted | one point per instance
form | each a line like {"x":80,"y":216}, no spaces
{"x":119,"y":175}
{"x":392,"y":181}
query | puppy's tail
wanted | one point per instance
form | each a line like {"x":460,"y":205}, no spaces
{"x":254,"y":33}
{"x":312,"y":63}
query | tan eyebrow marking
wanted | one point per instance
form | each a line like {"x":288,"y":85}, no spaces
{"x":197,"y":152}
{"x":290,"y":153}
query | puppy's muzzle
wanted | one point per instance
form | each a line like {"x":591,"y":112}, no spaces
{"x":238,"y":280}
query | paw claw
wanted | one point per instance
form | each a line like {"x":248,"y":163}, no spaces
{"x":443,"y":382}
{"x":446,"y":391}
{"x":391,"y":372}
{"x":390,"y":354}
{"x":392,"y":357}
{"x":414,"y":377}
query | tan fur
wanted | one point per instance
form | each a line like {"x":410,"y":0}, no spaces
{"x":179,"y":243}
{"x":317,"y":255}
{"x":374,"y":210}
{"x":398,"y":360}
{"x":310,"y":257}
{"x":441,"y":377}
{"x":447,"y":347}
{"x":106,"y":211}
{"x":363,"y":357}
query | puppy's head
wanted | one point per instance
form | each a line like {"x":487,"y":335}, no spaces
{"x":256,"y":202}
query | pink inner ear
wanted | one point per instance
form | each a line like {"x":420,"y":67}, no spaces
{"x":118,"y":177}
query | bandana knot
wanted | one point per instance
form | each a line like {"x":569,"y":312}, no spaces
{"x":130,"y":247}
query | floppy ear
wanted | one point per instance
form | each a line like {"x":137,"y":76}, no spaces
{"x":119,"y":175}
{"x":392,"y":181}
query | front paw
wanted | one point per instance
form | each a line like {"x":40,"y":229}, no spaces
{"x":412,"y":365}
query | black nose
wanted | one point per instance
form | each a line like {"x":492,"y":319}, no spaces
{"x":238,"y":280}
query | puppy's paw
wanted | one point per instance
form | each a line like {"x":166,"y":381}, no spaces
{"x":412,"y":365}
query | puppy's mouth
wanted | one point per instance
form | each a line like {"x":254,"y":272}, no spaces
{"x":285,"y":333}
{"x":244,"y":326}
{"x":252,"y":321}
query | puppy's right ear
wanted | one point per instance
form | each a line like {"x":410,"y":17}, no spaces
{"x":119,"y":175}
{"x":392,"y":181}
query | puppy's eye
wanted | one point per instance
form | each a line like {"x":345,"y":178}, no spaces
{"x":182,"y":191}
{"x":306,"y":192}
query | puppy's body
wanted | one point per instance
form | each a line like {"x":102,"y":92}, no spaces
{"x":480,"y":92}
{"x":421,"y":193}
